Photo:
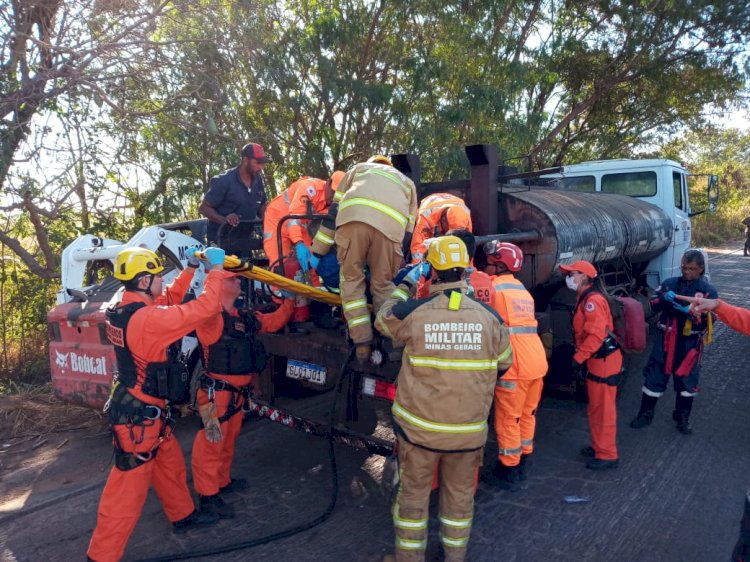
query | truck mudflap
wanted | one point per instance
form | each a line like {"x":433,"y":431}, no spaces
{"x":373,"y":445}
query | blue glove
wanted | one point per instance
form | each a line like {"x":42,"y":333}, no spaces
{"x":192,"y":259}
{"x":314,"y":261}
{"x":422,"y":270}
{"x":303,"y":255}
{"x":402,"y":273}
{"x":685,"y":309}
{"x":215,"y":256}
{"x":669,"y":296}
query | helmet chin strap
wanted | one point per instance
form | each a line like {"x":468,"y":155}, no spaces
{"x":147,"y":290}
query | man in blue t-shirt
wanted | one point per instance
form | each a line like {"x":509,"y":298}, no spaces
{"x":236,"y":194}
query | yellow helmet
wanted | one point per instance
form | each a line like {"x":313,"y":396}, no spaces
{"x":379,"y":159}
{"x":132,"y":261}
{"x":447,"y":252}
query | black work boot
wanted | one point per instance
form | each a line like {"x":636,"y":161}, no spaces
{"x":646,"y":412}
{"x":214,"y":504}
{"x":602,"y":464}
{"x":234,"y":485}
{"x":196,"y":520}
{"x":681,"y":415}
{"x":523,"y":467}
{"x":741,"y":552}
{"x":507,"y":477}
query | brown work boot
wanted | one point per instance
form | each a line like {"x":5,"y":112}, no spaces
{"x":363,"y":352}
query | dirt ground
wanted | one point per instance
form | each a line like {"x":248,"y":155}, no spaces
{"x":35,"y":430}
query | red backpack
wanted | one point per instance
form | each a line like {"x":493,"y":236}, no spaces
{"x":629,"y":321}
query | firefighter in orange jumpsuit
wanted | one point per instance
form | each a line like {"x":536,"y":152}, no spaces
{"x":293,"y":201}
{"x":438,"y":213}
{"x":232,"y":358}
{"x":146,"y":328}
{"x":372,"y":215}
{"x":454,"y":348}
{"x":598,"y":356}
{"x":738,"y":319}
{"x":517,"y":394}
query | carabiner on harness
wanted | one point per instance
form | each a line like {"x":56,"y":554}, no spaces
{"x":156,"y":416}
{"x":144,"y":457}
{"x":210,"y":388}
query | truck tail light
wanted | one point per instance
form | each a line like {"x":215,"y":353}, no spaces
{"x":378,"y":388}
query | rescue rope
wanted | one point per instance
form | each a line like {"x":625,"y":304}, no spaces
{"x":344,"y":373}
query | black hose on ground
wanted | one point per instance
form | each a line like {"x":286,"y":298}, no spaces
{"x":298,"y":528}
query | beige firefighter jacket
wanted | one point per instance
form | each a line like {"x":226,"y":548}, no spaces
{"x":454,"y":347}
{"x":375,"y":194}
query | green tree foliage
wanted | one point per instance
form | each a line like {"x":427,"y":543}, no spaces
{"x":726,"y":153}
{"x":116,"y":113}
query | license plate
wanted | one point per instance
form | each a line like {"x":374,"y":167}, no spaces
{"x":305,"y":371}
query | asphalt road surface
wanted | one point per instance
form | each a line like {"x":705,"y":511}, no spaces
{"x":673,"y":498}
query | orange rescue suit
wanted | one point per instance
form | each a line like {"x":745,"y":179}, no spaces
{"x":733,"y":316}
{"x":151,"y":330}
{"x":453,"y":212}
{"x":518,"y":392}
{"x":479,"y":282}
{"x":592,"y":322}
{"x":212,"y":462}
{"x":292,"y":201}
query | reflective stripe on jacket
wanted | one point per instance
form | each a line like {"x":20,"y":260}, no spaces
{"x":454,"y":346}
{"x":374,"y":194}
{"x":293,"y":201}
{"x":515,"y":305}
{"x":428,"y":217}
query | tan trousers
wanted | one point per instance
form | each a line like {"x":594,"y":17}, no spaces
{"x":457,"y":473}
{"x":361,"y":245}
{"x":516,"y":402}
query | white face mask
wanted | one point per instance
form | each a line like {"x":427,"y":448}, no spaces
{"x":572,"y":285}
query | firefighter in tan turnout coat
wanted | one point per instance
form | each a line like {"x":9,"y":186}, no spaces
{"x":455,"y":348}
{"x":372,"y":212}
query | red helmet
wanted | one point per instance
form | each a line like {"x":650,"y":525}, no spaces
{"x":504,"y":252}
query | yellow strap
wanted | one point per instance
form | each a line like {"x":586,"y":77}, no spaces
{"x":687,"y":328}
{"x":709,"y":338}
{"x":455,"y":301}
{"x":259,"y":274}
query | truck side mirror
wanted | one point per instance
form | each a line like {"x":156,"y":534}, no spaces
{"x":713,"y":192}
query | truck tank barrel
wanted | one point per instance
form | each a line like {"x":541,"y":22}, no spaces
{"x":600,"y":228}
{"x":513,"y":237}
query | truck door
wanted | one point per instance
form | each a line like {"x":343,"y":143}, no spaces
{"x":681,"y":239}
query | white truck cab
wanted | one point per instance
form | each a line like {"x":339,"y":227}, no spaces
{"x":663,"y":183}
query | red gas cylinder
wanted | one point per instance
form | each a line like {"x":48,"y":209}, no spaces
{"x":292,"y":270}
